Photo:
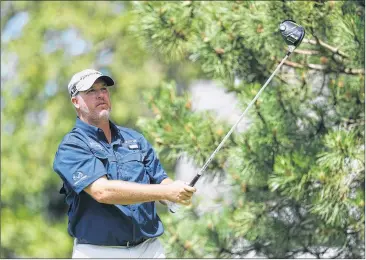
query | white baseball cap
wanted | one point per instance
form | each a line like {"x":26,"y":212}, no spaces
{"x":85,"y":79}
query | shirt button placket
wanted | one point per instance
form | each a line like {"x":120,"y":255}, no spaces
{"x":119,"y":168}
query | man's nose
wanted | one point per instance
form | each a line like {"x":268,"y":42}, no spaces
{"x":99,"y":93}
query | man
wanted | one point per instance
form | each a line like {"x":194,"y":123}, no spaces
{"x":111,"y":178}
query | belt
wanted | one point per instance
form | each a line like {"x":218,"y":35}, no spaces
{"x":126,"y":244}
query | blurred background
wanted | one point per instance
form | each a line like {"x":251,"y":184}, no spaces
{"x":288,"y":184}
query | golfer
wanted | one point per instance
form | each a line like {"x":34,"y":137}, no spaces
{"x":111,"y":179}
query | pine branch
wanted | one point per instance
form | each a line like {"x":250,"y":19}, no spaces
{"x":327,"y":46}
{"x":319,"y":67}
{"x":259,"y":113}
{"x":307,"y":52}
{"x":294,"y":64}
{"x":353,"y":71}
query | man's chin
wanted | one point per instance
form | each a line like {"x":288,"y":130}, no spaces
{"x":104,"y":114}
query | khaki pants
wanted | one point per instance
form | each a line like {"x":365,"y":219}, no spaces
{"x":150,"y":248}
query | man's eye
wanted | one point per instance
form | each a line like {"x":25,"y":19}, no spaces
{"x":90,"y":91}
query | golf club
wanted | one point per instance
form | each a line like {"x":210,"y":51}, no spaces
{"x":293,"y":34}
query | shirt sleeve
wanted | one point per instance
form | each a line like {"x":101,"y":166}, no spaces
{"x":77,"y":165}
{"x":153,"y":166}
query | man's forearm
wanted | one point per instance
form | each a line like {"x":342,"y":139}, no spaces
{"x":122,"y":192}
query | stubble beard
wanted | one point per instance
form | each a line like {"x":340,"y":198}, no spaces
{"x":101,"y":117}
{"x":104,"y":115}
{"x":97,"y":118}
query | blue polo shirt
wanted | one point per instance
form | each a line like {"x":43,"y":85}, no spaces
{"x":85,"y":155}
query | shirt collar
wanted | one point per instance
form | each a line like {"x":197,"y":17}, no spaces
{"x":92,"y":130}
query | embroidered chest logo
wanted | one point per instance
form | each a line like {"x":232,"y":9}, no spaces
{"x":132,"y":144}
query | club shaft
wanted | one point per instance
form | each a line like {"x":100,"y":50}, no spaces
{"x":199,"y":174}
{"x":173,"y":207}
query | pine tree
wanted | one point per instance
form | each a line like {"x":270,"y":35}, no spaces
{"x":297,"y":173}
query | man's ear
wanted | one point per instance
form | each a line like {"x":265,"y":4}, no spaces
{"x":75,"y":101}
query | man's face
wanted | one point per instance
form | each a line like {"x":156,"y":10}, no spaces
{"x":94,"y":104}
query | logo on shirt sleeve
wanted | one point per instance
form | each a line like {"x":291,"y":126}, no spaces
{"x":78,"y":176}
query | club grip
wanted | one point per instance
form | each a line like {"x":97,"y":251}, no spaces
{"x":195,"y":179}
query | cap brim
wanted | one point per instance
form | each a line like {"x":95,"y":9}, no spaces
{"x":108,"y":80}
{"x":89,"y":83}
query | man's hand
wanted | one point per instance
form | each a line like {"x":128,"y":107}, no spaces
{"x":180,"y":192}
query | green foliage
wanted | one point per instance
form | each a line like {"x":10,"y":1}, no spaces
{"x":297,"y":173}
{"x":178,"y":129}
{"x":236,"y":38}
{"x":32,"y":235}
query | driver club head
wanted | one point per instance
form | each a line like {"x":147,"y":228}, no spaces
{"x":292,"y":33}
